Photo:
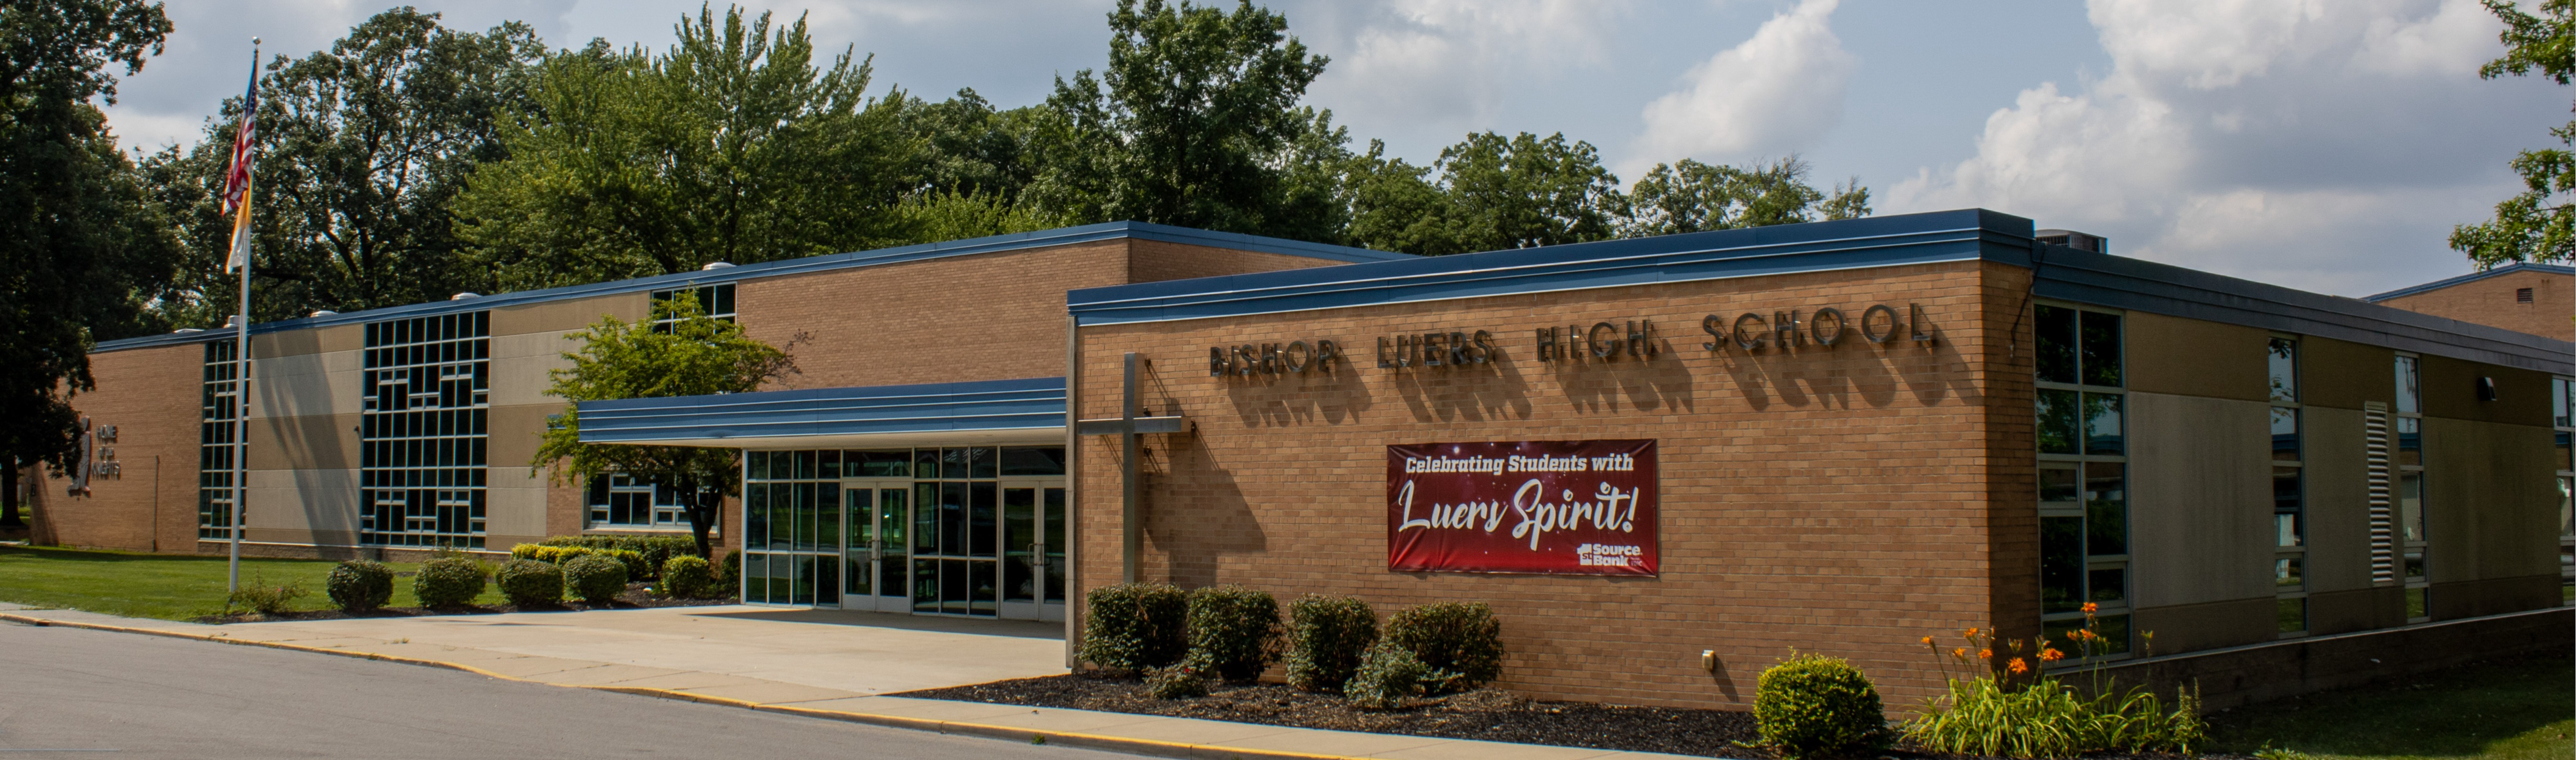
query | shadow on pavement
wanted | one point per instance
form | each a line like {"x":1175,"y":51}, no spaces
{"x":1026,"y":629}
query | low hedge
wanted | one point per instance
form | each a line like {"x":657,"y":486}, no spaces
{"x":1231,"y":630}
{"x":635,"y":562}
{"x":1460,"y":642}
{"x":1812,"y":705}
{"x":1389,"y":678}
{"x":359,"y":585}
{"x":688,"y":577}
{"x":655,"y":550}
{"x":1135,"y":626}
{"x":1327,"y":635}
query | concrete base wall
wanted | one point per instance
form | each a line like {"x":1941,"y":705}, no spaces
{"x":2259,"y":672}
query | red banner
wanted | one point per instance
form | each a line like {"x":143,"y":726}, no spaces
{"x":1553,"y":507}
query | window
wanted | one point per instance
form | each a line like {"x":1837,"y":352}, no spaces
{"x":715,"y":300}
{"x":2412,"y":529}
{"x":421,"y":431}
{"x":961,"y":530}
{"x":2522,"y":295}
{"x":2289,"y":496}
{"x":618,"y":501}
{"x":2083,"y":473}
{"x":217,"y":427}
{"x":2562,"y":400}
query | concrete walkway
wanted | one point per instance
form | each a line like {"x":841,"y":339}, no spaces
{"x":820,"y":663}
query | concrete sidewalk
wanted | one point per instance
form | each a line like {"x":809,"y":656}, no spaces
{"x":820,"y":663}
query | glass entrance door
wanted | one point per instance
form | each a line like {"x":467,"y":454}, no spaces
{"x":955,"y":548}
{"x":878,"y":516}
{"x":1032,"y":552}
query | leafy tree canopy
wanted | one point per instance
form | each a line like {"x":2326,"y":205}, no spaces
{"x":729,"y":146}
{"x":679,"y":351}
{"x":2538,"y":224}
{"x":1690,"y":196}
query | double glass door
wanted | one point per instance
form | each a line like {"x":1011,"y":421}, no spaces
{"x":977,"y":548}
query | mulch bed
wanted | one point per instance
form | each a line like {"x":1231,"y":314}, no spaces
{"x":1483,"y":714}
{"x":634,"y":598}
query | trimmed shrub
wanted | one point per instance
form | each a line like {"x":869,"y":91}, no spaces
{"x":1134,"y":626}
{"x":687,"y":577}
{"x":1233,"y":629}
{"x":1327,"y":635}
{"x":529,"y":583}
{"x":1187,"y":679}
{"x":1460,"y":642}
{"x":258,"y":595}
{"x":1389,"y":678}
{"x":359,"y":585}
{"x":1816,"y":705}
{"x":635,"y":562}
{"x":448,"y":580}
{"x":595,"y":578}
{"x":729,"y":576}
{"x":653,"y":550}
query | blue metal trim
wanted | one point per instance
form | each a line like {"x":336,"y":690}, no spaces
{"x":2105,"y":280}
{"x":1965,"y":235}
{"x":902,"y":254}
{"x":932,"y":407}
{"x":2508,"y":268}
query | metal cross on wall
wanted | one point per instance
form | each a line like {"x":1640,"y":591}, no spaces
{"x":1129,"y":425}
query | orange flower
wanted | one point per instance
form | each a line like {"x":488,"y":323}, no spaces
{"x":2019,"y":667}
{"x":1985,"y":654}
{"x":1961,"y":652}
{"x":1972,"y":633}
{"x":2090,"y":608}
{"x":2051,"y":655}
{"x":1927,"y":641}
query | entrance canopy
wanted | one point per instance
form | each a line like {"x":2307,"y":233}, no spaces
{"x":1030,"y":410}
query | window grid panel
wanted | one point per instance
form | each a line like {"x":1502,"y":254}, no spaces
{"x":2082,"y":441}
{"x":422,"y":431}
{"x":217,"y":427}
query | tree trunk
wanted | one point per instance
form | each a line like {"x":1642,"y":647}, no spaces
{"x":9,"y":492}
{"x":703,"y":510}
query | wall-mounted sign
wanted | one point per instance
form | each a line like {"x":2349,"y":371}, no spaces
{"x":1551,"y":507}
{"x":1296,"y":357}
{"x":97,"y":457}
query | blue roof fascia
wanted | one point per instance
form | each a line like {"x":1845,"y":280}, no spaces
{"x":1962,"y":235}
{"x":897,"y":255}
{"x":2127,"y":283}
{"x":2509,"y":268}
{"x":931,"y":407}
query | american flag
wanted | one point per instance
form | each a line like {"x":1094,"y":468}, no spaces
{"x":237,"y":181}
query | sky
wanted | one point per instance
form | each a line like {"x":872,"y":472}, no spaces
{"x":2326,"y":145}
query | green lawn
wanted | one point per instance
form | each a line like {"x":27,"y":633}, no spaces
{"x":169,"y":587}
{"x":2518,"y":710}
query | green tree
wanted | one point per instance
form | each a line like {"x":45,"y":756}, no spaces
{"x":2538,"y":224}
{"x":965,"y":146}
{"x":84,"y":251}
{"x":1492,"y":192}
{"x":692,"y":355}
{"x":362,"y":148}
{"x":729,"y":146}
{"x":1194,"y":122}
{"x":1689,"y":196}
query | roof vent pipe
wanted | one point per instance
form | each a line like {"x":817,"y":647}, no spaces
{"x":322,"y":313}
{"x":463,"y":296}
{"x":715,"y":265}
{"x":2077,"y":240}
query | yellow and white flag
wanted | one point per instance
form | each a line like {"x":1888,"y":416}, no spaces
{"x":237,"y":181}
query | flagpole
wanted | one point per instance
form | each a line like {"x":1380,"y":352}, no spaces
{"x":241,"y":372}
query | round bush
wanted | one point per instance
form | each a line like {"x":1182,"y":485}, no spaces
{"x":1460,"y":642}
{"x":1185,"y":680}
{"x":1232,"y":628}
{"x":1816,"y":705}
{"x":1134,"y":626}
{"x":359,"y":585}
{"x":729,"y":577}
{"x":1326,"y":637}
{"x":448,"y":582}
{"x":1389,"y":678}
{"x":529,"y":583}
{"x":595,"y":579}
{"x":687,"y":576}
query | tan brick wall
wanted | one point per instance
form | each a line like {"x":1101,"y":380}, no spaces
{"x":994,"y":316}
{"x":150,"y":395}
{"x":1837,"y":500}
{"x":2552,"y":311}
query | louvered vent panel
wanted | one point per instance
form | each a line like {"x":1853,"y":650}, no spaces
{"x":2383,"y":525}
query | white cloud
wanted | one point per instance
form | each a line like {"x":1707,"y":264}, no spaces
{"x":1775,"y":93}
{"x":2321,"y":145}
{"x":1451,"y":63}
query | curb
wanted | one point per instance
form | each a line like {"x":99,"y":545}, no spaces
{"x":1152,"y":747}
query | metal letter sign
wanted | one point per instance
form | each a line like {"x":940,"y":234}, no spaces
{"x":1551,"y":507}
